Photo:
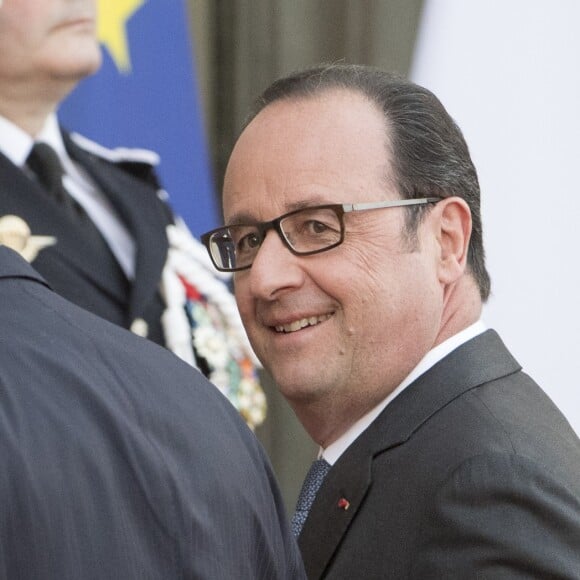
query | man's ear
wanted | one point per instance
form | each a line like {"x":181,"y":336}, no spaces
{"x":453,"y":233}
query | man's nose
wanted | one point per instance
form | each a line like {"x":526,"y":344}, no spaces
{"x":275,"y":268}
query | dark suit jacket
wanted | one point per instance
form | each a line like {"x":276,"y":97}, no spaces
{"x":86,"y":274}
{"x":471,"y":472}
{"x":118,"y":461}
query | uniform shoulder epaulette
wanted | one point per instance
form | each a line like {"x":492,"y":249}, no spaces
{"x":140,"y":163}
{"x":118,"y":154}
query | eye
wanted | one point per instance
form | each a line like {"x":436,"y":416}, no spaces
{"x":317,"y":224}
{"x":314,"y":227}
{"x":248,"y":242}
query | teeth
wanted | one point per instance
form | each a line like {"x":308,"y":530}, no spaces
{"x":302,"y":323}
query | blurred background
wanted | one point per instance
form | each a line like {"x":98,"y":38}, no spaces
{"x":179,"y":77}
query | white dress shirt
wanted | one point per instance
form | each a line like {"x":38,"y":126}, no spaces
{"x":16,"y":145}
{"x":338,"y":447}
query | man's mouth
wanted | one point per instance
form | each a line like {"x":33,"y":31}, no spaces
{"x":302,"y":323}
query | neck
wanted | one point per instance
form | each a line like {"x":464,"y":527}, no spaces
{"x":462,"y":308}
{"x":325,"y":422}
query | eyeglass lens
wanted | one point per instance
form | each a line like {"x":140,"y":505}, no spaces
{"x":304,"y":231}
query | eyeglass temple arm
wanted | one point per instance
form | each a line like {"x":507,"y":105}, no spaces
{"x":383,"y":204}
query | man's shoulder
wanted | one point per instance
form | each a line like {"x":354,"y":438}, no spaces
{"x":104,"y":360}
{"x":510,"y":414}
{"x":475,"y":401}
{"x":137,"y":162}
{"x":117,"y":154}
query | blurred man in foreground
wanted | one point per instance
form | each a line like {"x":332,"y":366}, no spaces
{"x":119,"y":460}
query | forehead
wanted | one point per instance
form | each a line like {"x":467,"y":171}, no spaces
{"x":328,"y":148}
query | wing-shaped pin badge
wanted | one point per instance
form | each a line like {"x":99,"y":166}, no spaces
{"x":15,"y":234}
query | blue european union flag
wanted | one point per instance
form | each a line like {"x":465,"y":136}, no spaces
{"x":146,"y":96}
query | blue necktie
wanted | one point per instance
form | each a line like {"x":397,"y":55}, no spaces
{"x":312,"y":483}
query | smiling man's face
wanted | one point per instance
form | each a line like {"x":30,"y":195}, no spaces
{"x":341,"y":329}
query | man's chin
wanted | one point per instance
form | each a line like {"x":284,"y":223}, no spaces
{"x":298,"y":390}
{"x":75,"y":72}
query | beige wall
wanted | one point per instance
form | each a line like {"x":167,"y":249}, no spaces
{"x":241,"y":46}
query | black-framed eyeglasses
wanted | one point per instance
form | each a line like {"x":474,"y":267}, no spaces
{"x":305,"y":231}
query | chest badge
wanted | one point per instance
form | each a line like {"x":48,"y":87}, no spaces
{"x":15,"y":234}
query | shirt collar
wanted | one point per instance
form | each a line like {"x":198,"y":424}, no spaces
{"x":51,"y":135}
{"x":16,"y":143}
{"x":338,"y":447}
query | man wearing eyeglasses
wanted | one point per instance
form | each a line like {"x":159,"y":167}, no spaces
{"x":353,"y":227}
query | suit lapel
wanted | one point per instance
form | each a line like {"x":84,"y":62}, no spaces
{"x":480,"y":360}
{"x":329,"y":517}
{"x":144,"y":215}
{"x":26,"y":199}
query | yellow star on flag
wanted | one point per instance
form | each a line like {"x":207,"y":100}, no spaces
{"x":112,"y":29}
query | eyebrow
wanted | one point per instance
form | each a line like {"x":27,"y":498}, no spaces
{"x":247,"y":218}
